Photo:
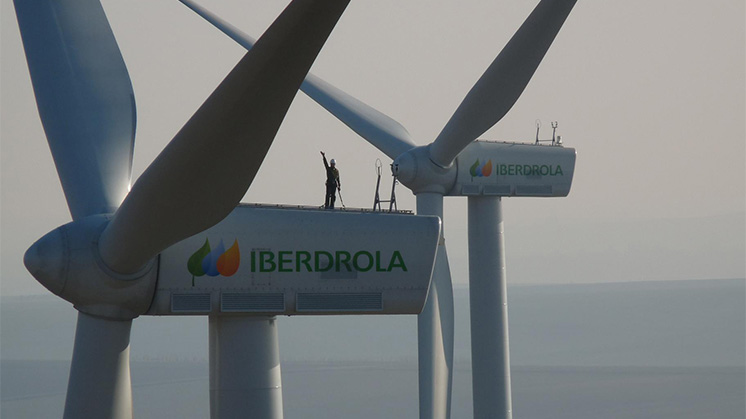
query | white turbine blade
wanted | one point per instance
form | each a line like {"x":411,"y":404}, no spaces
{"x":503,"y":82}
{"x":85,"y":100}
{"x":233,"y":32}
{"x":435,"y":328}
{"x":380,"y":130}
{"x":435,"y":343}
{"x":206,"y":169}
{"x":99,"y":385}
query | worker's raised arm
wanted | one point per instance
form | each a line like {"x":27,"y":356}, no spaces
{"x":324,"y":157}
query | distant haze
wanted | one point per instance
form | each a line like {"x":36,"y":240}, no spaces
{"x":664,"y":350}
{"x":647,"y":324}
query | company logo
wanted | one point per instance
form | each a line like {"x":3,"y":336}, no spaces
{"x":218,"y":261}
{"x":323,"y":261}
{"x":529,"y":170}
{"x":214,"y":262}
{"x":481,"y":171}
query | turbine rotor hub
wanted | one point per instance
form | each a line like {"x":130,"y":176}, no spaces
{"x":66,"y":261}
{"x":419,"y":173}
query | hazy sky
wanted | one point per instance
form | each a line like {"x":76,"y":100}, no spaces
{"x":651,"y":94}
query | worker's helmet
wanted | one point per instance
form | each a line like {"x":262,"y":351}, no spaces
{"x":333,"y":162}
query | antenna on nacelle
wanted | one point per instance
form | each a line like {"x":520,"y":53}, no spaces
{"x":554,"y":131}
{"x":556,"y":139}
{"x":392,"y":200}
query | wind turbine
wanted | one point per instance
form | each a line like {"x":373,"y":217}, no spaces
{"x":455,"y":164}
{"x":127,"y":251}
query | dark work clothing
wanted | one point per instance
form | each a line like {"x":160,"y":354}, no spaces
{"x":332,"y":174}
{"x":332,"y":184}
{"x":331,"y":196}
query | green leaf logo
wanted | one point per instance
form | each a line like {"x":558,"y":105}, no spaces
{"x":195,"y":261}
{"x":473,"y":169}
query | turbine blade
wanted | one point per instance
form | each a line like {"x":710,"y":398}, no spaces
{"x":380,"y":130}
{"x":99,"y":384}
{"x":206,"y":169}
{"x":503,"y":81}
{"x":224,"y":26}
{"x":435,"y":327}
{"x":435,"y":343}
{"x":84,"y":97}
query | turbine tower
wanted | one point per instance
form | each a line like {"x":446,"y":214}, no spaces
{"x":456,"y":164}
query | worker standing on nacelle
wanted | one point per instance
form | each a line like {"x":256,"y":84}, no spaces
{"x":333,"y":183}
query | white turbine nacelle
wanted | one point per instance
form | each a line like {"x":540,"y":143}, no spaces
{"x":491,"y":168}
{"x":270,"y":260}
{"x":260,"y":260}
{"x":514,"y":169}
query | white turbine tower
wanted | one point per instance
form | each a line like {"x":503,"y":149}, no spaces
{"x":450,"y":166}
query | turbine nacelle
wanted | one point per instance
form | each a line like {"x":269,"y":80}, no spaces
{"x":296,"y":261}
{"x":490,"y":168}
{"x":513,"y":169}
{"x":266,"y":260}
{"x":66,"y":262}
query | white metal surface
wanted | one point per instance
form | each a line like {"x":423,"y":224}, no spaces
{"x":435,"y":329}
{"x":296,"y":254}
{"x":245,"y":379}
{"x":488,"y":299}
{"x":66,"y":262}
{"x":85,"y":99}
{"x":514,"y":169}
{"x":99,"y":384}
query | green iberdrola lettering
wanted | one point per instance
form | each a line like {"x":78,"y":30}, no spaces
{"x":317,"y":258}
{"x":283,"y":261}
{"x":323,"y":261}
{"x":302,"y":257}
{"x":529,"y":170}
{"x":397,"y":262}
{"x":267,"y":261}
